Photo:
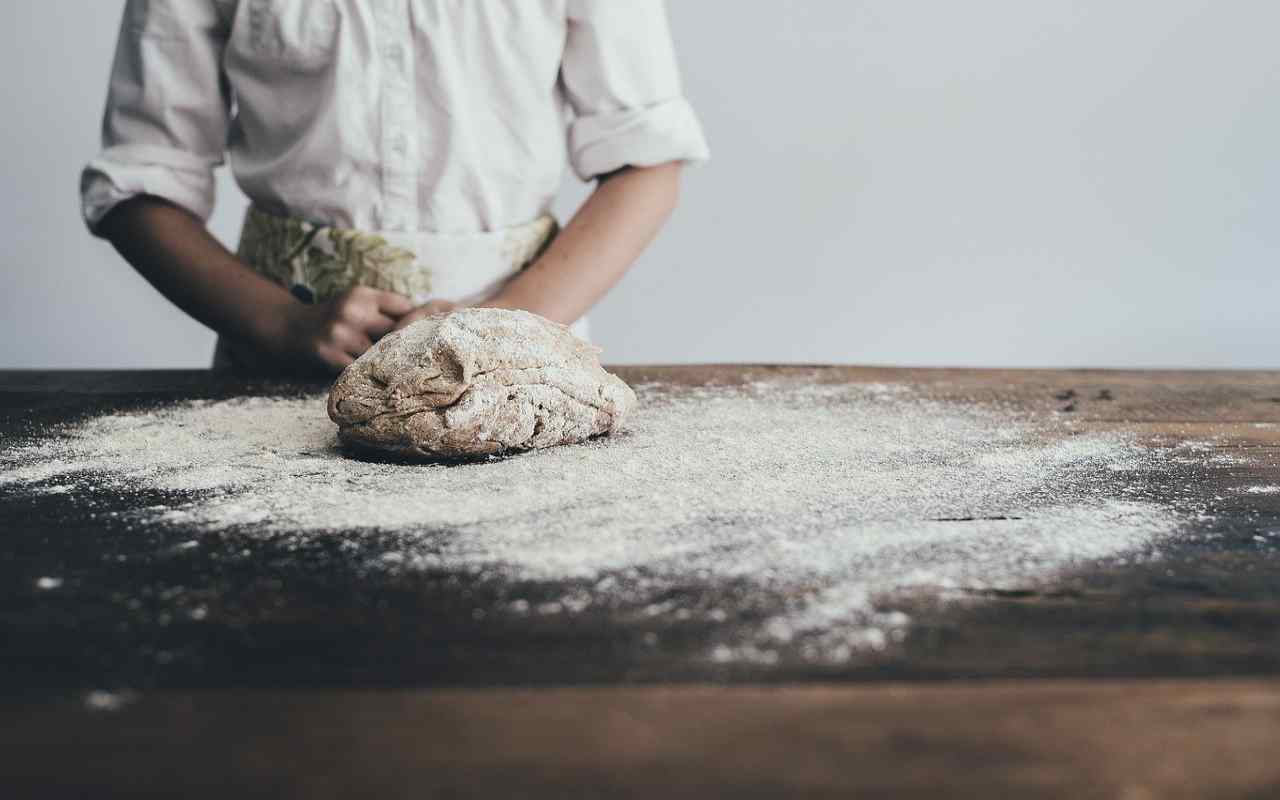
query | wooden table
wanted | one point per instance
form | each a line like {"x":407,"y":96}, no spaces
{"x":1152,"y":679}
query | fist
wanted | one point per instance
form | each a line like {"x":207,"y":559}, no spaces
{"x":334,"y":333}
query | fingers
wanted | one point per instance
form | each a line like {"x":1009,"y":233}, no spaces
{"x":349,"y":340}
{"x":366,"y":310}
{"x":372,"y":301}
{"x":391,"y":304}
{"x":427,"y":310}
{"x":410,"y":318}
{"x":334,"y":359}
{"x":357,"y":318}
{"x":378,"y":326}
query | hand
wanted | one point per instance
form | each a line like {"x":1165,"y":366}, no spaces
{"x":429,"y":309}
{"x":333,"y":334}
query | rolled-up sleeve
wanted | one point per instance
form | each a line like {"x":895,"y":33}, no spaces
{"x":168,"y":110}
{"x":622,"y":81}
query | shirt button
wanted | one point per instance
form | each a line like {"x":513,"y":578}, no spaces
{"x":400,"y":145}
{"x":394,"y":53}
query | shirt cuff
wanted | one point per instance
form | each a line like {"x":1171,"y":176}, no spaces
{"x":636,"y":137}
{"x":121,"y":173}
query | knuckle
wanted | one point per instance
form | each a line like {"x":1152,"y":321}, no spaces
{"x":351,"y":309}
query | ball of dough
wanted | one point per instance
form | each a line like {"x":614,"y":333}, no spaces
{"x":474,"y":382}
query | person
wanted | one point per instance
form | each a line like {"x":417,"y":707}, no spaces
{"x":400,"y":158}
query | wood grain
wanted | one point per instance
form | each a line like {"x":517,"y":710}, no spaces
{"x":1044,"y":739}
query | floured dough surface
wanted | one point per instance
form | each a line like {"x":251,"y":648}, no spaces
{"x":475,"y":382}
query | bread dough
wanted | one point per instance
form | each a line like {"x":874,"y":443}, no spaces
{"x":474,"y":382}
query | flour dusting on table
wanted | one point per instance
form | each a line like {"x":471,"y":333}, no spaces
{"x":837,"y":498}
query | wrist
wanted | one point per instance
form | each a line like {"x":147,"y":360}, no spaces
{"x":272,"y":323}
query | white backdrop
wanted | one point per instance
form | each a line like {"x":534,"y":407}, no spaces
{"x":992,"y":182}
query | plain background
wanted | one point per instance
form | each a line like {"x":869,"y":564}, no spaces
{"x":993,"y":182}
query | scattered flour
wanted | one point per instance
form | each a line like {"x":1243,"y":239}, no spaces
{"x":835,"y":497}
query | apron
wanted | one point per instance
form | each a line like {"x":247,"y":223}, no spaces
{"x":318,"y":262}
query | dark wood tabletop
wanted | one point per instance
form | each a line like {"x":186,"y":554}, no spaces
{"x":308,"y":678}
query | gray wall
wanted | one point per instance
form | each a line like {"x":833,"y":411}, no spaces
{"x":992,"y":182}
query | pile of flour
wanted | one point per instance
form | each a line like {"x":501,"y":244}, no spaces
{"x":836,"y":497}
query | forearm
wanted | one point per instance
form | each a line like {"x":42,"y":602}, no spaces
{"x":597,"y":246}
{"x":173,"y":250}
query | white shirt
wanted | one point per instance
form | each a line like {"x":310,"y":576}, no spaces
{"x":452,"y":116}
